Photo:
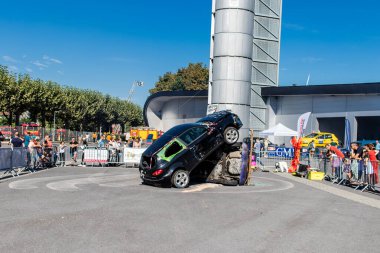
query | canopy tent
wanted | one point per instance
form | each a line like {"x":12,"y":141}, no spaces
{"x":278,"y":130}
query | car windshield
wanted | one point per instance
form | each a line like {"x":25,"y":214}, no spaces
{"x":311,"y":135}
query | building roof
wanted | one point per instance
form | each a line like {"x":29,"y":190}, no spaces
{"x":163,"y":96}
{"x":331,"y":89}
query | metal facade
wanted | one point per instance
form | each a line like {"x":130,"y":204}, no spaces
{"x":244,"y":56}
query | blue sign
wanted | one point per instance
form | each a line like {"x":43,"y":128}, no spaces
{"x":282,"y":152}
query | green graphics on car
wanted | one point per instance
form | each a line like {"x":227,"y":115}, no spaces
{"x":171,"y":150}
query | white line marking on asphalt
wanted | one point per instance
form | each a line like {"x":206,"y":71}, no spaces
{"x":71,"y":185}
{"x":338,"y":192}
{"x":33,"y":182}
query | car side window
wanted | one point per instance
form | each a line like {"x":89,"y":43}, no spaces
{"x":328,"y":136}
{"x":321,"y":137}
{"x":192,"y":134}
{"x":173,"y":149}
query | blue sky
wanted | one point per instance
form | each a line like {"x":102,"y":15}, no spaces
{"x":107,"y":45}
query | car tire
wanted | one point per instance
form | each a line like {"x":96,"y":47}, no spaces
{"x":181,"y":179}
{"x":231,"y":135}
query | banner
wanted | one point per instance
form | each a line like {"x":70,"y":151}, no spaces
{"x":95,"y":156}
{"x":347,"y":136}
{"x":133,"y":155}
{"x":302,"y":123}
{"x":282,"y":152}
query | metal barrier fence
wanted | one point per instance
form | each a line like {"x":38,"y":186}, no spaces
{"x":14,"y":161}
{"x":267,"y":160}
{"x":359,"y":174}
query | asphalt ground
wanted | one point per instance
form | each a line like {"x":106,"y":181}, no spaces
{"x":76,"y":209}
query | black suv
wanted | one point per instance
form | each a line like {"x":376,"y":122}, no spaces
{"x":171,"y":158}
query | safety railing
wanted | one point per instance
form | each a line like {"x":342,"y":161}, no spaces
{"x":360,"y":174}
{"x":15,"y":161}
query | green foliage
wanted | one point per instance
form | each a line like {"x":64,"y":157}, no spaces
{"x":193,"y":77}
{"x":74,"y":108}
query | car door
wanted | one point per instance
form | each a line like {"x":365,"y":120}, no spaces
{"x":193,"y":139}
{"x":327,"y":139}
{"x":320,"y":139}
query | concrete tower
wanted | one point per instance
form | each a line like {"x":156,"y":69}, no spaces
{"x":244,"y":56}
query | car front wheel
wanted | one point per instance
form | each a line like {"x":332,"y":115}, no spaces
{"x":180,"y":178}
{"x":231,"y":135}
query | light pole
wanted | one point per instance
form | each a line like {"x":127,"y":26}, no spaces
{"x":132,"y":90}
{"x":54,"y":126}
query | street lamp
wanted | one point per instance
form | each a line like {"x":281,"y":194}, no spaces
{"x":132,"y":90}
{"x":54,"y":126}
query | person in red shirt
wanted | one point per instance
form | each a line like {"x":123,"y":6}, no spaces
{"x":335,"y":150}
{"x":372,"y":153}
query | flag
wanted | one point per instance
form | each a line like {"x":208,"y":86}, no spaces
{"x":302,"y":123}
{"x":347,"y":135}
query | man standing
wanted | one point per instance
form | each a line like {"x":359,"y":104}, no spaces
{"x":257,"y":148}
{"x":26,"y":145}
{"x":357,"y":153}
{"x":73,"y":149}
{"x":17,"y":141}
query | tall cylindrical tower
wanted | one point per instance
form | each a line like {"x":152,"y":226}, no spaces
{"x":231,"y":61}
{"x":244,"y":57}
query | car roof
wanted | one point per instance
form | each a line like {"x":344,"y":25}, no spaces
{"x":214,"y":117}
{"x":319,"y":133}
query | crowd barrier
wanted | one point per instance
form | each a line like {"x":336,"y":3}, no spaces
{"x":102,"y":156}
{"x":360,"y":174}
{"x":14,"y":161}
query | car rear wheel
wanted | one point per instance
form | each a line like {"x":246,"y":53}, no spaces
{"x":231,"y":135}
{"x":180,"y":178}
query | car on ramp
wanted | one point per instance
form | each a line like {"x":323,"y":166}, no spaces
{"x":173,"y":156}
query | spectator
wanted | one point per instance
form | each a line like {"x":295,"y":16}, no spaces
{"x":266,"y":144}
{"x":130,"y":143}
{"x":33,"y":146}
{"x":378,"y":149}
{"x":87,"y":137}
{"x":2,"y":138}
{"x":26,"y":145}
{"x":336,"y":157}
{"x":73,"y":149}
{"x":372,"y":154}
{"x":257,"y":148}
{"x":102,"y":143}
{"x":94,"y":137}
{"x":357,"y":153}
{"x":17,"y":141}
{"x":27,"y":139}
{"x":137,"y":143}
{"x":62,"y":152}
{"x":48,"y":143}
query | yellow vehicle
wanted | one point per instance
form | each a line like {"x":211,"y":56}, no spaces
{"x":319,"y":139}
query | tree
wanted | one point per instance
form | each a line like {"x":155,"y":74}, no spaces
{"x":193,"y":77}
{"x":77,"y":109}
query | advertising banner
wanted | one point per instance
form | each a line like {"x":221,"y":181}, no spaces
{"x":302,"y":123}
{"x":133,"y":155}
{"x":95,"y":156}
{"x":282,"y":152}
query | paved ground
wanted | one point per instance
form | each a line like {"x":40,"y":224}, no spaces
{"x":107,"y":210}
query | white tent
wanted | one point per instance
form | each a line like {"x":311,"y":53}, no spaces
{"x":278,"y":130}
